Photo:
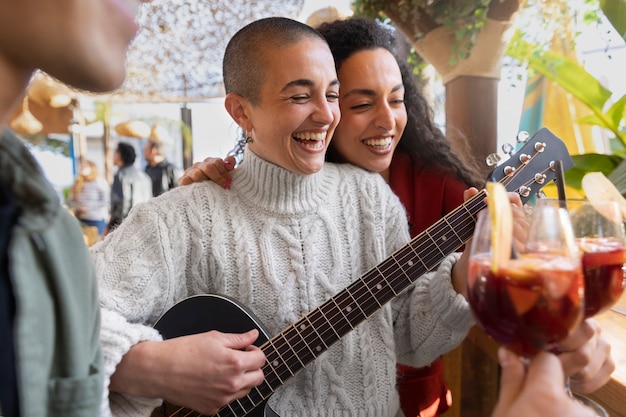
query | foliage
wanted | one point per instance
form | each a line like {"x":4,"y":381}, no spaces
{"x":466,"y":18}
{"x":615,"y":11}
{"x":48,"y":143}
{"x":575,"y":80}
{"x":552,"y":22}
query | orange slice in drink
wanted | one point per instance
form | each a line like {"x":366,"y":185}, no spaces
{"x":598,"y":188}
{"x":522,"y":283}
{"x":501,"y":218}
{"x":523,"y":299}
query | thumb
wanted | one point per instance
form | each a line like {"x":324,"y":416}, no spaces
{"x":512,"y":377}
{"x":469,"y":193}
{"x":241,"y":341}
{"x":229,"y":162}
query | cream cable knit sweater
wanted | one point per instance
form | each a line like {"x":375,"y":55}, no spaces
{"x":281,"y":244}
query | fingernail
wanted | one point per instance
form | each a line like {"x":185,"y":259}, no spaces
{"x":504,"y":357}
{"x":227,"y":162}
{"x":227,"y":186}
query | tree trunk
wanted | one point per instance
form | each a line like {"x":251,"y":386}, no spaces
{"x":471,"y":118}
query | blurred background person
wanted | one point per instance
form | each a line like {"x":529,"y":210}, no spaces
{"x":131,"y":186}
{"x":90,"y":197}
{"x":164,"y":174}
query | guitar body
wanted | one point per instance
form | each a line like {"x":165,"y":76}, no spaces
{"x":203,"y":313}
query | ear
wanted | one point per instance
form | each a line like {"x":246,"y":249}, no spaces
{"x":237,"y":106}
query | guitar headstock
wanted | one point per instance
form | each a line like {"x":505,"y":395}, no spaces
{"x":532,"y":166}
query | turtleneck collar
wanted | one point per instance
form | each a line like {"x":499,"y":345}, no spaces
{"x":279,"y":190}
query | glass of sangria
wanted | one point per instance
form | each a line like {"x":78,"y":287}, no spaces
{"x":598,"y":229}
{"x":534,"y":298}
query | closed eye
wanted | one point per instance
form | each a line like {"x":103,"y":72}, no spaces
{"x":300,"y":98}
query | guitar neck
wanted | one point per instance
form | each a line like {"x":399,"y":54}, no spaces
{"x":302,"y":342}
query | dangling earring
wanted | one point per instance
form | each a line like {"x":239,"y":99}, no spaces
{"x":249,"y":137}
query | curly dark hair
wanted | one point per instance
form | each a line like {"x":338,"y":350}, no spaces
{"x":421,"y":139}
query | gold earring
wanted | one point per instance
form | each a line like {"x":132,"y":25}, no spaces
{"x":249,"y":137}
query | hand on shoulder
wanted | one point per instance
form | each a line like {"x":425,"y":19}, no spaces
{"x":211,"y":169}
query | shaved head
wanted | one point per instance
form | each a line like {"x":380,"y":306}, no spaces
{"x":245,"y":55}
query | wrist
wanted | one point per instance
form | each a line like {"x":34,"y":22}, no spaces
{"x":459,"y":275}
{"x":136,"y":374}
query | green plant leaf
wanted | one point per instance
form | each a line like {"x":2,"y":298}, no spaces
{"x":615,"y":11}
{"x":594,"y":120}
{"x":570,"y":75}
{"x":590,"y":162}
{"x":617,"y":112}
{"x":612,"y":119}
{"x":596,"y":162}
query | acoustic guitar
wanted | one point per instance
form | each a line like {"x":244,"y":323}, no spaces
{"x":525,"y":172}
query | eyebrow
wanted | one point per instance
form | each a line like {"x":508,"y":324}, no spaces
{"x":303,"y":82}
{"x":369,"y":92}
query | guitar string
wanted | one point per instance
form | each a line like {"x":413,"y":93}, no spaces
{"x":357,"y":294}
{"x":338,"y":312}
{"x":325,"y":334}
{"x":364,"y":291}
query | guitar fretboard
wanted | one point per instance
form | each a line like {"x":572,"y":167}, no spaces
{"x":302,"y":342}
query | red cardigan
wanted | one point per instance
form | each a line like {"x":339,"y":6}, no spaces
{"x":428,"y":193}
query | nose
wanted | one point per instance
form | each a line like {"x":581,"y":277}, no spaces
{"x":325,"y":112}
{"x":384,"y":118}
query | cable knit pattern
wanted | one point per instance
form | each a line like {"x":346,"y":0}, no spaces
{"x":282,"y":244}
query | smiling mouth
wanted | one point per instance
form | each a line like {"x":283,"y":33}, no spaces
{"x":312,"y":141}
{"x":378,"y":144}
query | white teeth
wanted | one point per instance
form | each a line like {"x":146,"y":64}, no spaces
{"x":313,"y":141}
{"x":310,"y":136}
{"x":313,"y":145}
{"x":378,"y":142}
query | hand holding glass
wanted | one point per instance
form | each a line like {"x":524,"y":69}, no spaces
{"x":598,"y":229}
{"x":534,"y":299}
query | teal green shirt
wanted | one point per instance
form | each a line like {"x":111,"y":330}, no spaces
{"x":57,"y":322}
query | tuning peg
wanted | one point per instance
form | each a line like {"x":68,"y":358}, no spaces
{"x":524,"y":159}
{"x":540,"y":146}
{"x":492,"y":159}
{"x":508,"y":149}
{"x":524,"y":191}
{"x":522,"y":136}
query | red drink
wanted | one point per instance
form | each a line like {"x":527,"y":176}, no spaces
{"x":530,"y":303}
{"x":603,"y":262}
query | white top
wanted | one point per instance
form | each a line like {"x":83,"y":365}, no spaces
{"x":282,"y":244}
{"x":94,"y":198}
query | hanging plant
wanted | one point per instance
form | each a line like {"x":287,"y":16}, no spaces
{"x":417,"y":17}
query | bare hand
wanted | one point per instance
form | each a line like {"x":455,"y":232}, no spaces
{"x":535,"y":390}
{"x":211,"y":169}
{"x":586,"y":358}
{"x":203,"y":372}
